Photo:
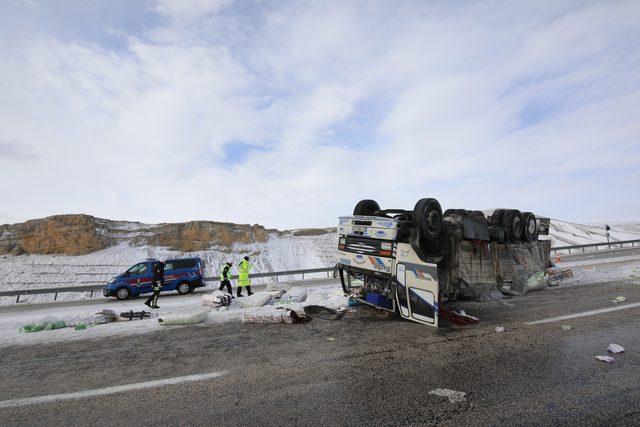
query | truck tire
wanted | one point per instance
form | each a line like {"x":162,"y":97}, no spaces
{"x":183,"y":288}
{"x":496,"y":217}
{"x":462,"y":212}
{"x":529,"y":227}
{"x":427,"y":217}
{"x":512,"y":224}
{"x":496,"y":234}
{"x":366,"y":207}
{"x":123,"y":293}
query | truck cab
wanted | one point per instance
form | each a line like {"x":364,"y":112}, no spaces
{"x":379,"y":265}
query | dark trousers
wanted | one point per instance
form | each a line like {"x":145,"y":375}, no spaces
{"x":227,"y":284}
{"x":248,"y":290}
{"x":152,"y":301}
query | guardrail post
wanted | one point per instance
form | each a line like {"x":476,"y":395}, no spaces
{"x":569,"y":250}
{"x":18,"y":299}
{"x":91,"y":295}
{"x":55,"y":296}
{"x":302,"y":276}
{"x":582,"y":249}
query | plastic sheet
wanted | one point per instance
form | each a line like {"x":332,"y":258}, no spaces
{"x":216,"y":299}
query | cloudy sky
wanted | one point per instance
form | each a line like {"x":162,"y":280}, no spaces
{"x":286,"y":113}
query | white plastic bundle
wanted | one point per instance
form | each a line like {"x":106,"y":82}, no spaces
{"x":184,"y":318}
{"x":258,"y":299}
{"x":294,"y":295}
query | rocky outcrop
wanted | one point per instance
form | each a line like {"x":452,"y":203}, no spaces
{"x":201,"y":235}
{"x":60,"y":234}
{"x":82,"y":234}
{"x":313,"y":231}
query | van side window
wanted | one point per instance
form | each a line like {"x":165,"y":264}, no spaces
{"x":138,"y":268}
{"x":186,"y":263}
{"x":168,"y":266}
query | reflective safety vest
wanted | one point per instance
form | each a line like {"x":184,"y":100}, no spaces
{"x":225,"y":274}
{"x":243,"y":273}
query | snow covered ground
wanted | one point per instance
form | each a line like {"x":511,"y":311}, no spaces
{"x":13,"y":318}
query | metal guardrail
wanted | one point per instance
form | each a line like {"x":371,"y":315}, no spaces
{"x":610,"y":245}
{"x":94,"y":288}
{"x":98,"y":288}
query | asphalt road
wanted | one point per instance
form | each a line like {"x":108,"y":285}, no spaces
{"x":362,"y":369}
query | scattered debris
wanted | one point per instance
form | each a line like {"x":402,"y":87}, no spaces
{"x":130,"y":315}
{"x":316,"y":310}
{"x":499,"y":329}
{"x":184,"y":318}
{"x":258,"y":299}
{"x":557,"y":275}
{"x":607,"y":359}
{"x":566,"y":327}
{"x":331,"y":338}
{"x":615,"y":348}
{"x":452,"y":395}
{"x":618,"y":299}
{"x":81,"y":326}
{"x":459,"y":318}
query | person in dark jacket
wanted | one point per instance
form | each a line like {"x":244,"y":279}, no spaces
{"x":158,"y":282}
{"x":225,"y":278}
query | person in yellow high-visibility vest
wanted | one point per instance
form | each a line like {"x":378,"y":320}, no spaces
{"x":244,"y":269}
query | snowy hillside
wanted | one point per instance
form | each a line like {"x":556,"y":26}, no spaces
{"x":564,"y":233}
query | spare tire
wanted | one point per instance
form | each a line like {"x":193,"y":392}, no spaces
{"x":366,"y":207}
{"x":529,"y":227}
{"x":496,"y":217}
{"x":427,"y":217}
{"x":512,"y":224}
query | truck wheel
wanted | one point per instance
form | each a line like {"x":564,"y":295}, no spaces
{"x":427,"y":217}
{"x":462,"y":212}
{"x":530,"y":227}
{"x":496,"y":217}
{"x":512,"y":225}
{"x":123,"y":293}
{"x":366,"y":207}
{"x":183,"y":288}
{"x":496,"y":234}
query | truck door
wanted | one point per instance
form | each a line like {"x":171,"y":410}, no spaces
{"x":417,"y":292}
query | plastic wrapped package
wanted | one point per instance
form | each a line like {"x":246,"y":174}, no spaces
{"x":296,"y":294}
{"x":258,"y":299}
{"x":189,"y":317}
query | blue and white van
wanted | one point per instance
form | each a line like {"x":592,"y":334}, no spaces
{"x":182,"y":275}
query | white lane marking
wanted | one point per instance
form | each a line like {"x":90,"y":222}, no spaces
{"x":586,"y":313}
{"x":106,"y":390}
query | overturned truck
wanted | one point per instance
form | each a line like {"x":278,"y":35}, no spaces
{"x":413,"y":261}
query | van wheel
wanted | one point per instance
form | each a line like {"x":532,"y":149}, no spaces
{"x":530,"y":227}
{"x":184,"y":288}
{"x":427,"y":217}
{"x":366,"y":207}
{"x":123,"y":293}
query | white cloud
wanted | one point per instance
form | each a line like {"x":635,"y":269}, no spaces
{"x":480,"y":105}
